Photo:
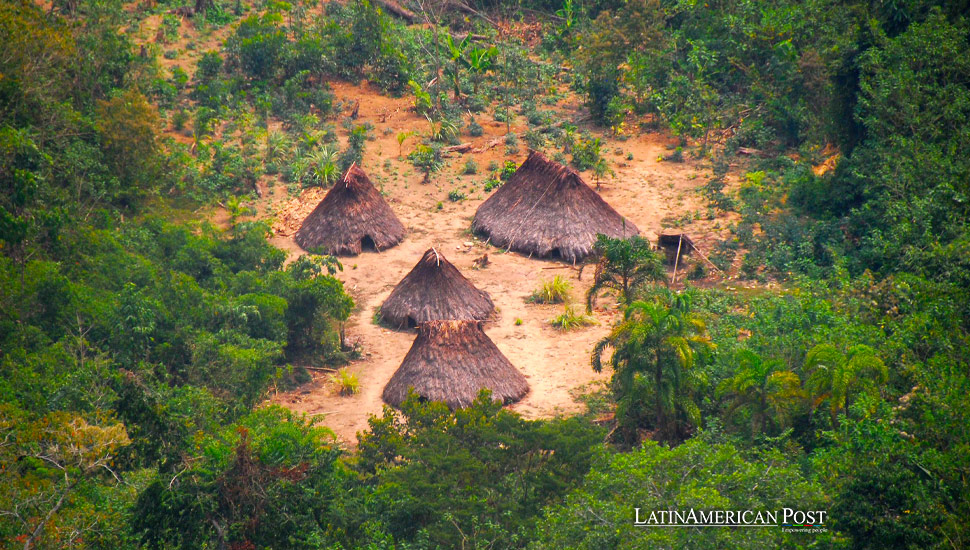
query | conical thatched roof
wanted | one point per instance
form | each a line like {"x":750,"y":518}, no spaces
{"x":452,"y":361}
{"x":434,"y":290}
{"x":547,"y":209}
{"x":353,"y":215}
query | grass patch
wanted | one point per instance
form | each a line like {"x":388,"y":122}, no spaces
{"x":555,"y":291}
{"x":347,"y":383}
{"x":569,"y":320}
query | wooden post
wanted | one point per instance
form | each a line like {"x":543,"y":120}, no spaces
{"x":680,"y":241}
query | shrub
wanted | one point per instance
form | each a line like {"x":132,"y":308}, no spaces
{"x":179,"y":118}
{"x":535,"y":140}
{"x":676,"y":156}
{"x":427,"y":159}
{"x":697,"y":272}
{"x":555,"y":291}
{"x":569,"y":320}
{"x":346,"y":382}
{"x":475,"y":129}
{"x":507,"y":170}
{"x":471,"y":167}
{"x":586,"y":153}
{"x":492,"y":184}
{"x":455,"y":195}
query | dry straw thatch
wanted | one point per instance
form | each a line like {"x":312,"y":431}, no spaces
{"x":434,"y":290}
{"x":351,"y":217}
{"x":452,"y":361}
{"x":546,"y":209}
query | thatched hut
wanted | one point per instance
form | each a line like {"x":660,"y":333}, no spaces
{"x":546,"y":209}
{"x":434,"y":290}
{"x":351,"y":217}
{"x":672,"y":243}
{"x":452,"y":361}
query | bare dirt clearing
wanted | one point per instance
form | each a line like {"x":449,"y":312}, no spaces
{"x":554,"y":363}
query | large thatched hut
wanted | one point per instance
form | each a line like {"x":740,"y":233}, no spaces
{"x":433,"y":290}
{"x":546,"y":209}
{"x":452,"y":361}
{"x":352,"y":216}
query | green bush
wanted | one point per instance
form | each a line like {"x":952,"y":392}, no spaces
{"x":554,"y":291}
{"x":570,"y":320}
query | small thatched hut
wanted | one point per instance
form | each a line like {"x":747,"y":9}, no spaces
{"x":452,"y":361}
{"x":352,"y":216}
{"x":547,"y":209}
{"x":434,"y":290}
{"x":671,"y":243}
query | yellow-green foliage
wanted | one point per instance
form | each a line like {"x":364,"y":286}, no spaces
{"x":569,"y":320}
{"x":347,"y":383}
{"x":555,"y":291}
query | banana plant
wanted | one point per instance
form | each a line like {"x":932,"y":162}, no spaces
{"x":479,"y":61}
{"x":453,"y":70}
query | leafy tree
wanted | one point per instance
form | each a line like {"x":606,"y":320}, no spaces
{"x":624,"y":265}
{"x":476,"y":477}
{"x":268,"y":481}
{"x":697,"y":475}
{"x":51,"y":463}
{"x":656,"y":349}
{"x":427,"y":159}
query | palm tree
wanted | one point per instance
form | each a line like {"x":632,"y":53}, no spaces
{"x":765,"y":386}
{"x":833,"y":375}
{"x":655,"y":351}
{"x":624,"y":265}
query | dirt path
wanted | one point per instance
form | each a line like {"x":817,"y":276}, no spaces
{"x":555,"y":364}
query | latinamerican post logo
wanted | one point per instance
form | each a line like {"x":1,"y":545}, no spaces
{"x":788,"y":520}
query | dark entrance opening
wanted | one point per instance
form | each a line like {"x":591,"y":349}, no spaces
{"x":555,"y":254}
{"x":367,"y":243}
{"x":411,"y":322}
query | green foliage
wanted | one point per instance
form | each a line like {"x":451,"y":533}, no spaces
{"x":625,"y":266}
{"x":479,"y":475}
{"x":771,"y":393}
{"x":427,"y":159}
{"x":696,"y":475}
{"x":347,"y":383}
{"x":455,"y":195}
{"x":508,"y":168}
{"x":263,"y":481}
{"x":657,"y":350}
{"x":553,"y":291}
{"x":569,"y":320}
{"x":586,"y":153}
{"x":475,"y":129}
{"x":833,"y":375}
{"x":471,"y":167}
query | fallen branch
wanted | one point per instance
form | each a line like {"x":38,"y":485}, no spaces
{"x":460,"y":148}
{"x":321,"y":369}
{"x":398,"y":10}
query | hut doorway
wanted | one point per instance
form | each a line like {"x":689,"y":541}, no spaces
{"x":555,"y":254}
{"x":367,"y":243}
{"x":411,"y":322}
